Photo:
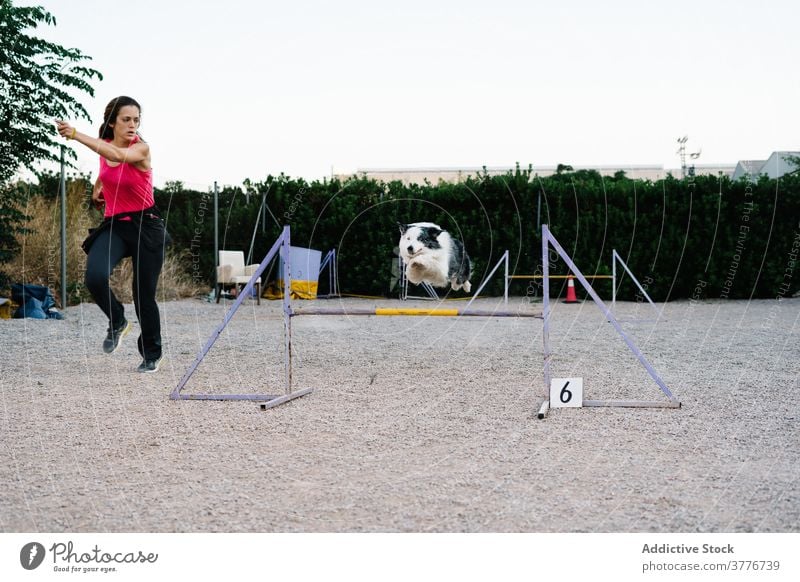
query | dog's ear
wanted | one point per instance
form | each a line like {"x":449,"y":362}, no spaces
{"x":434,"y":232}
{"x":403,"y":227}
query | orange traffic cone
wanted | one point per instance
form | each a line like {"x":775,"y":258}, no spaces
{"x":571,"y":297}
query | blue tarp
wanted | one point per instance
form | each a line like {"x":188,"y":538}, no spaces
{"x":36,"y":302}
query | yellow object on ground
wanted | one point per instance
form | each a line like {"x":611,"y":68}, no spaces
{"x":299,"y":290}
{"x":412,"y":311}
{"x":7,"y":308}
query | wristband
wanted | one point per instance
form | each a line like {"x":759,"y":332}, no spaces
{"x":73,"y":134}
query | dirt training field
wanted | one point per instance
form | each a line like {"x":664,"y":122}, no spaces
{"x":415,"y":424}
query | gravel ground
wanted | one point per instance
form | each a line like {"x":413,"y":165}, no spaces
{"x":414,"y":425}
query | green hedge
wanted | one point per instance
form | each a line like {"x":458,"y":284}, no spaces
{"x":702,"y":238}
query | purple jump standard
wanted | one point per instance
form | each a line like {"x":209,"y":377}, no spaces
{"x":549,"y":240}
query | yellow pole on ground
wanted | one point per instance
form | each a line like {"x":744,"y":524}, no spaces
{"x":412,"y":311}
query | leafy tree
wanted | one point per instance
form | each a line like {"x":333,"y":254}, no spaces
{"x":12,"y":220}
{"x":39,"y":81}
{"x":795,"y":161}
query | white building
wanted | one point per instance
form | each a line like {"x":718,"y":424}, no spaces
{"x":777,"y":165}
{"x":748,"y":168}
{"x":458,"y":175}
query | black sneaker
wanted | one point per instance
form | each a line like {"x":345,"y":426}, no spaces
{"x":114,"y":337}
{"x":149,"y":366}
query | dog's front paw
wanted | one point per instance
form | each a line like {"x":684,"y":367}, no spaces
{"x":415,"y":269}
{"x":415,"y":272}
{"x":467,"y":286}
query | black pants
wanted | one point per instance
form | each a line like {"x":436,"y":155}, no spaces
{"x":122,"y":239}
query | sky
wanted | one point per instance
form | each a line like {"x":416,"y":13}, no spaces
{"x":240,"y":89}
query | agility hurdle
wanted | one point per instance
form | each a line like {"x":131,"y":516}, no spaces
{"x":615,"y":258}
{"x":282,"y":247}
{"x":508,"y":278}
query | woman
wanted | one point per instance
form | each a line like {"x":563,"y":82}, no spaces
{"x":132,"y":227}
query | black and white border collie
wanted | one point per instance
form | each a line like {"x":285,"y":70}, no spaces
{"x":433,"y":256}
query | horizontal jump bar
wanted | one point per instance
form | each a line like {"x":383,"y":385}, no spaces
{"x":400,"y":312}
{"x":559,"y":276}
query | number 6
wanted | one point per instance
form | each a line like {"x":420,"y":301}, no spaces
{"x":565,"y":392}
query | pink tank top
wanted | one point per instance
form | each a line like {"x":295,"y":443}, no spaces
{"x":126,"y":188}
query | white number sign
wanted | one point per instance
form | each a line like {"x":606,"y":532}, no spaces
{"x":566,"y":392}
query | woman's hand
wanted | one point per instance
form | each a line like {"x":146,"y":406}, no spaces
{"x":98,"y":200}
{"x":65,"y":129}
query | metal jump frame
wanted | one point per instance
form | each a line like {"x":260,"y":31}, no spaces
{"x":282,"y":246}
{"x":549,"y":240}
{"x":613,"y":276}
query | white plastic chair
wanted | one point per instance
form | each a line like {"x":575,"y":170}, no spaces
{"x":233,"y":272}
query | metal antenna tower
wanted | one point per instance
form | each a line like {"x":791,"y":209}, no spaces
{"x":682,"y":153}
